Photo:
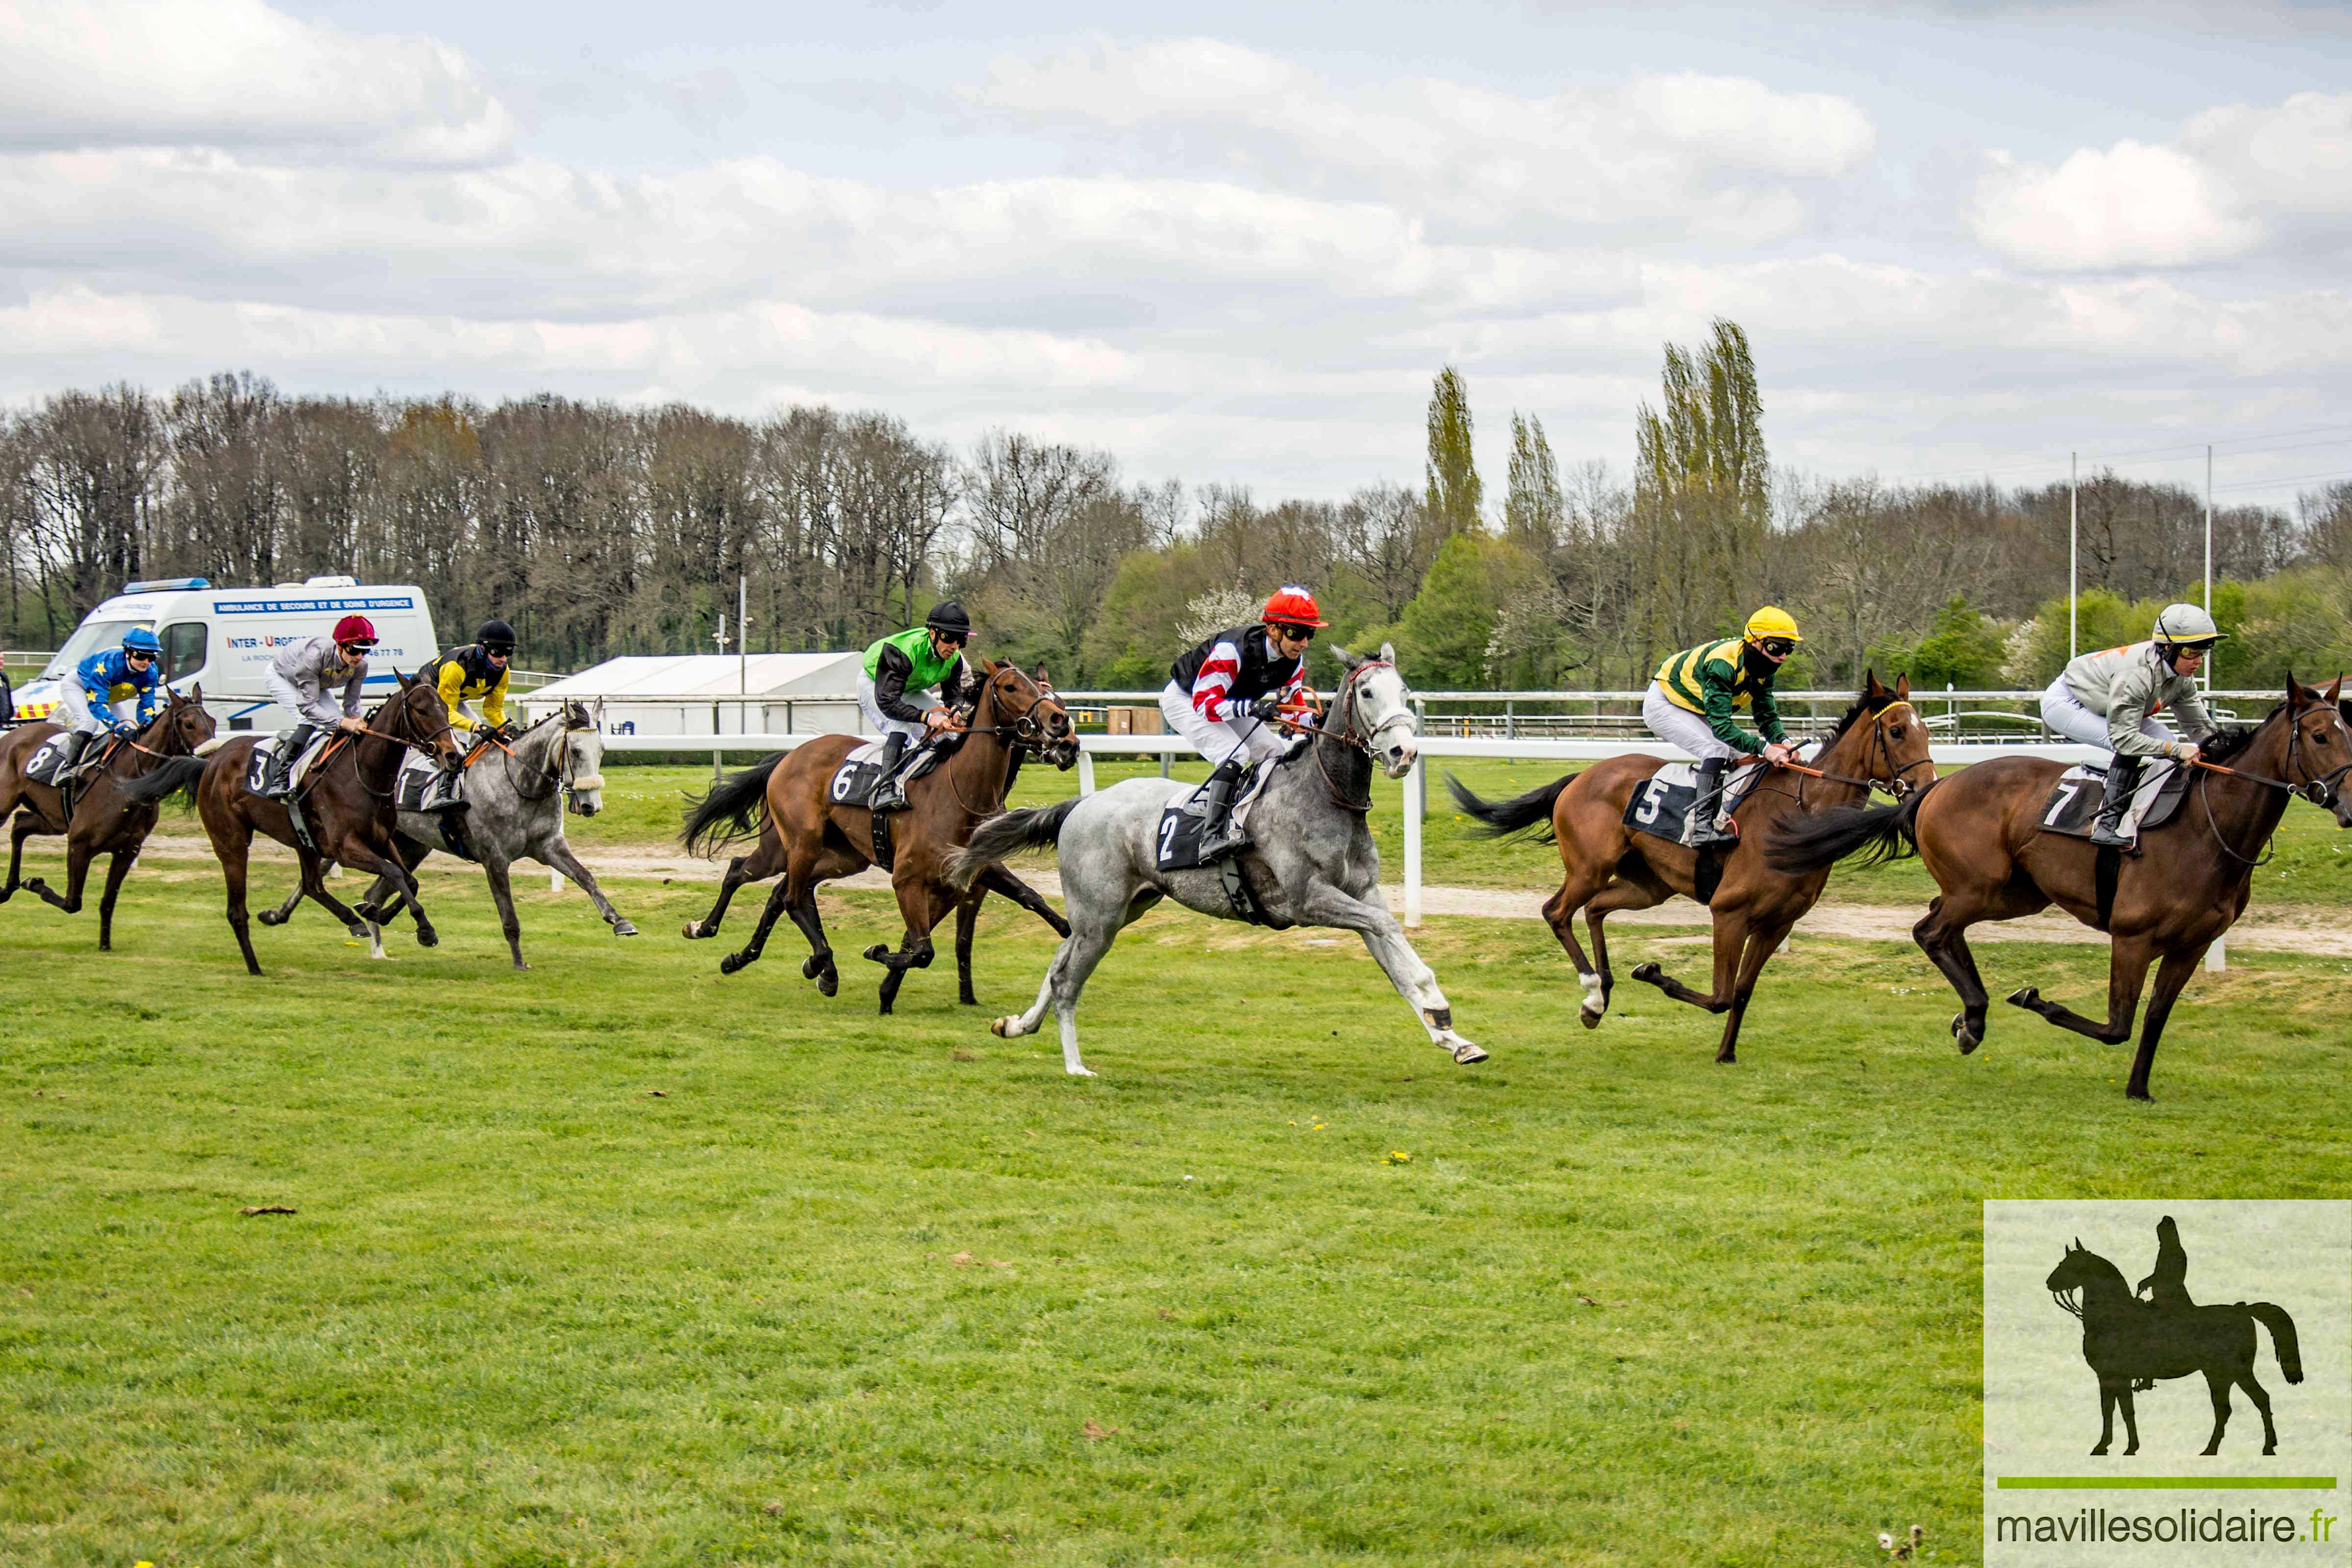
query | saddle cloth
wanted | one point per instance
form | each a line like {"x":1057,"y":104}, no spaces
{"x":1663,"y":806}
{"x":854,"y":779}
{"x":423,"y":785}
{"x":2073,"y":803}
{"x":43,"y":767}
{"x":1181,"y":822}
{"x":256,"y":766}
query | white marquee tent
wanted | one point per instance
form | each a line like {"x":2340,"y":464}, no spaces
{"x":705,"y":693}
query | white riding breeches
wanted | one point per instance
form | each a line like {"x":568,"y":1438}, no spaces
{"x":1249,"y":740}
{"x":84,"y":717}
{"x":1678,"y":726}
{"x":871,"y":706}
{"x":2064,"y":712}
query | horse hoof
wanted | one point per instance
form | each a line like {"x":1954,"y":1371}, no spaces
{"x":1079,"y":1072}
{"x":810,"y":966}
{"x":267,"y":917}
{"x":1967,"y":1038}
{"x":828,"y":983}
{"x":998,"y":1027}
{"x":730,"y":963}
{"x":2024,"y":997}
{"x":1587,"y":1017}
{"x":1648,"y":973}
{"x":428,"y":939}
{"x":879,"y":952}
{"x":1466,"y":1053}
{"x":694,"y":932}
{"x":520,"y":965}
{"x":623,"y":927}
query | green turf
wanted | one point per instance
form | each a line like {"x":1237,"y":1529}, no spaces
{"x":619,"y":1261}
{"x":2313,"y":863}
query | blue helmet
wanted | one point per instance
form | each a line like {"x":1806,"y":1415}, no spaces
{"x":138,"y":639}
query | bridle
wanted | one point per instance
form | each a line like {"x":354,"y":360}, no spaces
{"x":1350,"y":704}
{"x":1896,"y":784}
{"x":562,"y":779}
{"x":2322,"y":790}
{"x":1024,"y":733}
{"x":399,"y":705}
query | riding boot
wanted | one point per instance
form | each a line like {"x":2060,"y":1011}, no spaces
{"x":281,"y":782}
{"x":1701,"y":832}
{"x":76,"y":747}
{"x":887,"y":793}
{"x":2122,"y":779}
{"x":1218,"y":836}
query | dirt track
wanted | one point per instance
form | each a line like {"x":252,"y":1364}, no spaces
{"x":2287,"y":931}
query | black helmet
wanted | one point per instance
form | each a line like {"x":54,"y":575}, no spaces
{"x":947,"y":616}
{"x":495,"y":636}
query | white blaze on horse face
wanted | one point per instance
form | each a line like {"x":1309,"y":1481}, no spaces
{"x":587,"y":770}
{"x":1384,"y":711}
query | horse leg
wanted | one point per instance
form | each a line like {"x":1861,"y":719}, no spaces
{"x":77,"y":873}
{"x":314,"y":884}
{"x":923,"y":905}
{"x":234,"y":857}
{"x":999,"y":879}
{"x":24,"y":828}
{"x":1613,"y":897}
{"x":284,"y":911}
{"x":558,"y":855}
{"x":502,"y":895}
{"x":967,"y":922}
{"x":1731,"y":940}
{"x":1763,"y":941}
{"x":118,"y":866}
{"x":780,"y":899}
{"x":2262,"y":1398}
{"x":2106,"y":1417}
{"x":1325,"y":905}
{"x":801,"y":904}
{"x":2217,"y":1384}
{"x":2127,"y":965}
{"x":385,"y":900}
{"x":2131,"y":1417}
{"x":2171,"y":976}
{"x":1942,"y":935}
{"x":756,"y":867}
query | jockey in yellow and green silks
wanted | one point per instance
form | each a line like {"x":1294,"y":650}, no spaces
{"x":1694,"y":695}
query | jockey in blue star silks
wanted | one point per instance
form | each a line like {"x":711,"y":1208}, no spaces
{"x":926,"y":662}
{"x":2108,"y":699}
{"x":1220,"y":696}
{"x":92,"y":688}
{"x":1691,"y":700}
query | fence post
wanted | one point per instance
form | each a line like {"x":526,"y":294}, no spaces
{"x":2217,"y":957}
{"x":1415,"y":786}
{"x":1085,"y":772}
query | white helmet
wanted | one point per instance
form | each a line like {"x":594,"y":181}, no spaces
{"x":2183,"y":625}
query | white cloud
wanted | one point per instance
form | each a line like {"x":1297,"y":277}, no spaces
{"x":2238,"y":180}
{"x":1699,"y":154}
{"x":233,"y":73}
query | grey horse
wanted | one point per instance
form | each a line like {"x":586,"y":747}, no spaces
{"x":516,"y":799}
{"x":1312,"y":861}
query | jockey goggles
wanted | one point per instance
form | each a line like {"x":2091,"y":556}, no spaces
{"x":1776,"y":648}
{"x":139,"y":655}
{"x":1294,"y":631}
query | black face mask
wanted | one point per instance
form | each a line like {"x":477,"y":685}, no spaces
{"x":1752,"y":659}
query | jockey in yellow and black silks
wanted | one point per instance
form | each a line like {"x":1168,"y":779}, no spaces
{"x":476,"y":673}
{"x":1692,"y":698}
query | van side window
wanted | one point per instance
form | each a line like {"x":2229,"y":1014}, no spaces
{"x":184,"y":649}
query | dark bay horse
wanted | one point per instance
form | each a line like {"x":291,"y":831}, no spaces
{"x":2129,"y":1341}
{"x":347,"y":801}
{"x":812,"y":838}
{"x":1608,"y":865}
{"x":1979,"y":833}
{"x":105,"y":820}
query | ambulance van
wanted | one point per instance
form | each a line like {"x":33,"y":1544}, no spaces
{"x":223,"y":639}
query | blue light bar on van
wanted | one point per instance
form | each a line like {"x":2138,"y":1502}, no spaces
{"x":161,"y":585}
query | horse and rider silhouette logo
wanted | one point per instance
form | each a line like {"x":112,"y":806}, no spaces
{"x":2134,"y":1338}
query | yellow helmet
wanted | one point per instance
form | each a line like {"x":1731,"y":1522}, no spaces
{"x":1772,"y":621}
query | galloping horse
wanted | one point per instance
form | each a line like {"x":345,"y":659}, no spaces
{"x":812,"y":838}
{"x":1607,"y":866}
{"x":105,"y":821}
{"x":516,"y":797}
{"x":1980,"y":835}
{"x":1313,"y":862}
{"x":347,"y":805}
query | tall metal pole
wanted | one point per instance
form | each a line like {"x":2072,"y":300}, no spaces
{"x":743,"y":650}
{"x":2074,"y":483}
{"x":2209,"y":556}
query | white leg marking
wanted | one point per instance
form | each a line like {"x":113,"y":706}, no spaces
{"x":1592,"y":1003}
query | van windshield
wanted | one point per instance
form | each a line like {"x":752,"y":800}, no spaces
{"x":89,"y":637}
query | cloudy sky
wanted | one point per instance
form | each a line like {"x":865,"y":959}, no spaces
{"x":1228,"y":242}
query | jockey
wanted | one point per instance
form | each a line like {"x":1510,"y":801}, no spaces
{"x":1691,"y":700}
{"x":477,"y":671}
{"x":300,"y":676}
{"x":1220,"y":694}
{"x":928,"y":661}
{"x":2106,"y":700}
{"x":91,"y":687}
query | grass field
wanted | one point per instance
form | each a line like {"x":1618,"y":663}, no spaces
{"x":2312,"y":866}
{"x":622,"y":1262}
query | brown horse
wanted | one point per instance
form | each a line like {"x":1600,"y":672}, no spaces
{"x":1608,"y":865}
{"x":1978,"y":833}
{"x":105,"y":822}
{"x":347,"y":804}
{"x":812,"y":838}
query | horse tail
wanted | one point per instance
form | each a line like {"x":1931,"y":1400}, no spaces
{"x":1812,"y":839}
{"x":2283,"y":1341}
{"x":739,"y":801}
{"x":1495,"y":818}
{"x":1008,"y":834}
{"x":173,"y":775}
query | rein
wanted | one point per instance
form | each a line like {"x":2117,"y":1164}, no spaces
{"x":1347,"y":736}
{"x":1899,"y":788}
{"x":2319,"y":791}
{"x":1026,"y":734}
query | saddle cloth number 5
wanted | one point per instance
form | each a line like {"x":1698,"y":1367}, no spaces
{"x":1653,"y":800}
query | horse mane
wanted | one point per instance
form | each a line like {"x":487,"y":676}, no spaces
{"x":1863,"y":704}
{"x":2234,"y":739}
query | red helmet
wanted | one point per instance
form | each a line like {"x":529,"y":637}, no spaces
{"x":355,"y":628}
{"x":1293,"y":607}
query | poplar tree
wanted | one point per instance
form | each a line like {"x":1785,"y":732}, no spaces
{"x":1703,"y":486}
{"x":1534,"y":510}
{"x":1454,"y":494}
